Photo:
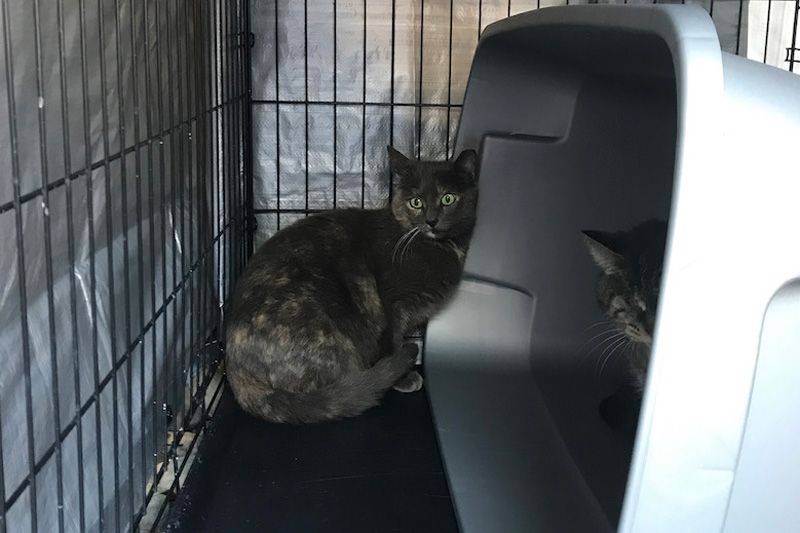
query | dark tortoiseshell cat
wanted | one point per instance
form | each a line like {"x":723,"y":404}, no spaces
{"x":317,"y":320}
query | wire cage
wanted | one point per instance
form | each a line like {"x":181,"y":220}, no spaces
{"x":123,"y":215}
{"x":148,"y":147}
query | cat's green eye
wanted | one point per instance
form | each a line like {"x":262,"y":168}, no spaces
{"x":415,"y":202}
{"x":449,"y":199}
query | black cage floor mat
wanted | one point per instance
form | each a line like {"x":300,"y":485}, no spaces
{"x":379,"y":472}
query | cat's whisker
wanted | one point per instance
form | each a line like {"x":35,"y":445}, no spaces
{"x":605,"y":342}
{"x":628,"y":350}
{"x":604,"y":332}
{"x":408,"y":244}
{"x":604,"y":361}
{"x":598,"y":361}
{"x":406,"y":247}
{"x":612,"y":349}
{"x":400,"y":242}
{"x":609,"y":349}
{"x":625,"y":345}
{"x":596,"y":324}
{"x":585,"y":353}
{"x":406,"y":235}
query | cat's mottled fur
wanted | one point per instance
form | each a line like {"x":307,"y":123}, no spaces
{"x":628,"y":287}
{"x":317,"y":320}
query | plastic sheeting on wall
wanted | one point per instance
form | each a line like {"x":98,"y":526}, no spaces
{"x":335,"y":82}
{"x":771,"y":29}
{"x":127,"y":255}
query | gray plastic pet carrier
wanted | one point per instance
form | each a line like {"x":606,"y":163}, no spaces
{"x":601,"y":117}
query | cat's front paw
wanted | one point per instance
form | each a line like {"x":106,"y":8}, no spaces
{"x":411,"y":382}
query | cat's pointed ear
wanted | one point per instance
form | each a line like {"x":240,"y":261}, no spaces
{"x":466,"y":164}
{"x":601,"y":247}
{"x":398,"y":163}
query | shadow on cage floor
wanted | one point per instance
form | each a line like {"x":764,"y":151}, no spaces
{"x":379,"y":472}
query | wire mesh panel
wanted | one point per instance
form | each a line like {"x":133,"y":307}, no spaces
{"x":335,"y":82}
{"x":123,"y":207}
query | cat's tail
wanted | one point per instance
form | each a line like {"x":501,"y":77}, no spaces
{"x":351,"y":395}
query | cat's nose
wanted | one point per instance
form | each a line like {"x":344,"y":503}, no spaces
{"x":432,"y":222}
